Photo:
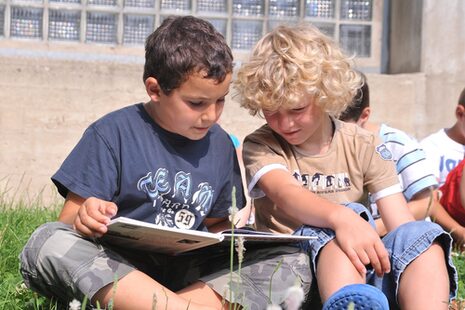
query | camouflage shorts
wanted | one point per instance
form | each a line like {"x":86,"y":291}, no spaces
{"x":59,"y":262}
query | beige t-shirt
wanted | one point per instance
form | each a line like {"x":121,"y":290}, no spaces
{"x":355,"y":162}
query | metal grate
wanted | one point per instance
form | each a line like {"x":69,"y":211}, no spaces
{"x":101,"y":27}
{"x":65,"y":1}
{"x":242,"y":22}
{"x":2,"y":20}
{"x":139,"y":3}
{"x":248,"y":7}
{"x":219,"y":24}
{"x":64,"y":25}
{"x":26,"y":22}
{"x":356,"y":39}
{"x":102,"y":2}
{"x":176,"y":5}
{"x":137,"y":28}
{"x":284,"y":9}
{"x":320,"y":8}
{"x":356,"y":9}
{"x":212,"y":6}
{"x":245,"y":33}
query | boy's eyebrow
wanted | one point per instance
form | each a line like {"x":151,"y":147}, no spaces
{"x":205,"y":97}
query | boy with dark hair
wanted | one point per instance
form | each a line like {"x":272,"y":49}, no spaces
{"x":166,"y":162}
{"x":445,"y":149}
{"x":305,"y":169}
{"x":415,"y":174}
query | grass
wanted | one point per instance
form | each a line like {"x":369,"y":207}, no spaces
{"x":19,"y":220}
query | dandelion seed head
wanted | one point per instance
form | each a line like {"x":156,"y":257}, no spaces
{"x":75,"y":305}
{"x":294,"y":297}
{"x":273,"y":307}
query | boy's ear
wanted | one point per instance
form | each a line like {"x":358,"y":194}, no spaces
{"x":364,"y":116}
{"x":153,"y":88}
{"x":460,"y":111}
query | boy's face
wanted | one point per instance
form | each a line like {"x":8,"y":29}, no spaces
{"x":191,"y":109}
{"x":299,"y":126}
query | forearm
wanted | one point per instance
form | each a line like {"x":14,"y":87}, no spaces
{"x":443,"y":218}
{"x":302,"y":205}
{"x":421,"y":204}
{"x":70,"y":208}
{"x":394,"y":211}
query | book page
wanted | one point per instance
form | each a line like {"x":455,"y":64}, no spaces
{"x":150,"y":237}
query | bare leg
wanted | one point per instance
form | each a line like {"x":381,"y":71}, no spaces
{"x":201,"y":293}
{"x":335,"y":271}
{"x":425,"y":282}
{"x":138,"y":291}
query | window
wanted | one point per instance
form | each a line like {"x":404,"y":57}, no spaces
{"x":355,"y":24}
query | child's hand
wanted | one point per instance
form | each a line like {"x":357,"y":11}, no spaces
{"x":361,"y":243}
{"x":93,"y":216}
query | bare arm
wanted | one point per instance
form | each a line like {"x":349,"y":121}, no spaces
{"x":89,"y":216}
{"x":394,"y":211}
{"x":447,"y":222}
{"x":421,"y":204}
{"x":381,"y":227}
{"x":354,"y":235}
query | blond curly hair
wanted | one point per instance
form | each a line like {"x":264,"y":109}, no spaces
{"x":295,"y":61}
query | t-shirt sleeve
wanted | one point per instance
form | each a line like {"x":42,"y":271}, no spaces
{"x":432,"y":157}
{"x":379,"y":171}
{"x":90,"y":170}
{"x":415,"y":171}
{"x":261,"y":154}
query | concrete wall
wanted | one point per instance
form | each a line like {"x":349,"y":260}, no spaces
{"x":443,"y":60}
{"x":405,"y":36}
{"x":46,"y":102}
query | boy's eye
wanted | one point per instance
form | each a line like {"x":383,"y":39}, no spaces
{"x":268,"y":112}
{"x":196,"y":103}
{"x":298,"y":109}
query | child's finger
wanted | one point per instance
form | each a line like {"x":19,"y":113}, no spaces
{"x":83,"y":229}
{"x":90,"y":216}
{"x":355,"y":259}
{"x":375,"y":261}
{"x":383,"y":257}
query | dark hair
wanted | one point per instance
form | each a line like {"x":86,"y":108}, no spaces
{"x":183,"y":45}
{"x":462,"y":98}
{"x":359,"y":102}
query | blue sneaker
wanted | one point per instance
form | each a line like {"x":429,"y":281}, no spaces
{"x":362,"y":296}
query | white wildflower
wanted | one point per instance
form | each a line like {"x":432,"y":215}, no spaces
{"x":273,"y":307}
{"x":232,"y":213}
{"x":294,"y":298}
{"x":75,"y":305}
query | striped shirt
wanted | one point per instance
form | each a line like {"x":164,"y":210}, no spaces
{"x":414,"y":172}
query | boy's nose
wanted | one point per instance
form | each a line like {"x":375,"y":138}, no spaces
{"x":286,"y":122}
{"x":211,"y":113}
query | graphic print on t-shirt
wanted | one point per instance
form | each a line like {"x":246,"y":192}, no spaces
{"x":183,"y":207}
{"x":320,"y":183}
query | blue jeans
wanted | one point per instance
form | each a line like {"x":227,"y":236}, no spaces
{"x":404,"y":244}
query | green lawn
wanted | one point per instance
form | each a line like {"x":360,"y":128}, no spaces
{"x":18,"y":221}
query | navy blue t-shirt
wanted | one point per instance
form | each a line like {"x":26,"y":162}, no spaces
{"x":151,"y":174}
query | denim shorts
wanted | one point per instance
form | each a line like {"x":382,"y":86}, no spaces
{"x":403,"y":244}
{"x":58,"y":262}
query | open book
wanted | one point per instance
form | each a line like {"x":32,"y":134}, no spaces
{"x":131,"y":233}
